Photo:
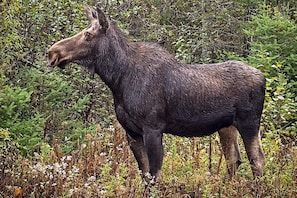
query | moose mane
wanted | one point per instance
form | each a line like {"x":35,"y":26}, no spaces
{"x":119,"y":39}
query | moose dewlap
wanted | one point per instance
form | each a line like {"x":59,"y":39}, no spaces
{"x":155,"y":94}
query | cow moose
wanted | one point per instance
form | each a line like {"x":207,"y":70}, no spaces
{"x":155,"y":94}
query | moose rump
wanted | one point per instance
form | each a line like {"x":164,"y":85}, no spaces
{"x":155,"y":94}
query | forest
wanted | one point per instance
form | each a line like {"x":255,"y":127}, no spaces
{"x":59,"y":136}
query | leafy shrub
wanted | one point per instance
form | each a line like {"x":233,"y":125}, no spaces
{"x":272,"y":34}
{"x":15,"y":116}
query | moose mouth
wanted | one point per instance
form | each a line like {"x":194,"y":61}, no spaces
{"x":61,"y":64}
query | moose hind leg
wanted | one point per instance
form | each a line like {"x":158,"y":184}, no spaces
{"x":229,"y":144}
{"x":137,"y":146}
{"x":252,"y":142}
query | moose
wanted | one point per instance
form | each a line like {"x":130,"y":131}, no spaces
{"x":155,"y":94}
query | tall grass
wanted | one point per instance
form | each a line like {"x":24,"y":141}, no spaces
{"x":105,"y":167}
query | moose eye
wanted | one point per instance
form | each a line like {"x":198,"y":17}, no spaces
{"x":88,"y":36}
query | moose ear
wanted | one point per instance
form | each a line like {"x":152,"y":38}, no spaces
{"x":102,"y":20}
{"x":91,"y":13}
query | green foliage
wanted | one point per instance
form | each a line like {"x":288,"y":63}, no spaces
{"x":15,"y":116}
{"x":274,"y":33}
{"x":4,"y":135}
{"x":281,"y":108}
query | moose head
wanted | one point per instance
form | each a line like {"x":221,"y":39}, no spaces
{"x":80,"y":47}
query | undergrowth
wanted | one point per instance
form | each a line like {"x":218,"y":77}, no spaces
{"x":104,"y":166}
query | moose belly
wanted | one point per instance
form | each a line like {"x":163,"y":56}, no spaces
{"x":198,"y":127}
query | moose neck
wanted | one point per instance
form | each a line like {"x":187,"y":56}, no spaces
{"x":117,"y":59}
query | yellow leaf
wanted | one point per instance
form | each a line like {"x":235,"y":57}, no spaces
{"x":17,"y":192}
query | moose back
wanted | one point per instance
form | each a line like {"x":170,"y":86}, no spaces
{"x":155,"y":94}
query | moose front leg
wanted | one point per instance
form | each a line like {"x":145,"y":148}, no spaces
{"x":153,"y":144}
{"x":137,"y":146}
{"x":229,"y":143}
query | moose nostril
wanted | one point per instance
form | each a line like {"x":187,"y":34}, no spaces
{"x":51,"y":60}
{"x":53,"y":63}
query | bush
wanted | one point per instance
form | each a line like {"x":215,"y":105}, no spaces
{"x":15,"y":116}
{"x":272,"y":37}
